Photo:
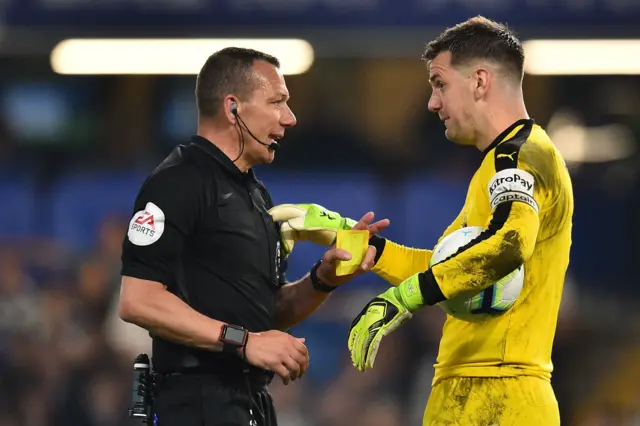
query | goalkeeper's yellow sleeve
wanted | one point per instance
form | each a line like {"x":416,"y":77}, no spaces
{"x":395,"y":263}
{"x":506,"y":243}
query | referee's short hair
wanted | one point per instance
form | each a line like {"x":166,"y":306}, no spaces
{"x":227,"y":71}
{"x":480,"y":38}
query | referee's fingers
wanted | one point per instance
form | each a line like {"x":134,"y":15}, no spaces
{"x":298,"y":343}
{"x":368,"y":260}
{"x":301,"y":347}
{"x":301,"y":360}
{"x":306,"y":364}
{"x":336,"y":254}
{"x":283,"y":372}
{"x":293,"y":365}
{"x":378,"y":226}
{"x":303,"y":352}
{"x":364,"y":221}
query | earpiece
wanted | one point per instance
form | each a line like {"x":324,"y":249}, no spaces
{"x":234,"y":110}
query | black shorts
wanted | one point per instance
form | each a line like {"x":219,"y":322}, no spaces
{"x":208,"y":400}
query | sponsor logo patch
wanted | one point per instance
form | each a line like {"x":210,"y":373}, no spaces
{"x":146,"y":226}
{"x":512,"y":185}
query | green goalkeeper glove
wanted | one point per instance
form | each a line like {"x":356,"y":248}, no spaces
{"x":308,"y":222}
{"x":381,"y":316}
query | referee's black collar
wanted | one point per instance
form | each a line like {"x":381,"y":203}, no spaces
{"x":505,"y":133}
{"x":222,"y":158}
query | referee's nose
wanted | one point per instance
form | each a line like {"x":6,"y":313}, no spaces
{"x":435,"y":103}
{"x":287,"y":118}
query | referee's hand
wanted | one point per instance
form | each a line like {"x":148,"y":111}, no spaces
{"x":327,"y":270}
{"x":273,"y":350}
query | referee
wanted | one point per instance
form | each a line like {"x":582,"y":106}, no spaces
{"x":202,"y":267}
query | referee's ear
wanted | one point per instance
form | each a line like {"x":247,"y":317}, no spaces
{"x":230,"y":109}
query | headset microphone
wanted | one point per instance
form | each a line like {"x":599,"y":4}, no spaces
{"x":234,"y":110}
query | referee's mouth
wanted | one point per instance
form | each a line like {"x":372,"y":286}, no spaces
{"x":276,"y":137}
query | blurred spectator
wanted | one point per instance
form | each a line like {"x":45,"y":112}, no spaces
{"x":19,"y":301}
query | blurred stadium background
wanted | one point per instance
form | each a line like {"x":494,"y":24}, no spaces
{"x":81,"y":125}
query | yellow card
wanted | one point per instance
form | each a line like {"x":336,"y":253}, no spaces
{"x":356,"y":243}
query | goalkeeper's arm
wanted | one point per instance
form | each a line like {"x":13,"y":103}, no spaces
{"x":506,"y":243}
{"x":395,"y":263}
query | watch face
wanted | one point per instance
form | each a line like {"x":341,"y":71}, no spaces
{"x":234,"y":335}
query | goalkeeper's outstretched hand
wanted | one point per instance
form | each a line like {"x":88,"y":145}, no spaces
{"x":314,"y":223}
{"x":381,"y":316}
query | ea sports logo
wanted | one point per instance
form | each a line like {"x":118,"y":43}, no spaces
{"x":146,"y":226}
{"x":146,"y":219}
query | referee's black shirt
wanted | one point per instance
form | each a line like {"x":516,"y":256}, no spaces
{"x":201,"y":228}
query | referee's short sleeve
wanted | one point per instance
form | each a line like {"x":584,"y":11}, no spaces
{"x":166,"y":211}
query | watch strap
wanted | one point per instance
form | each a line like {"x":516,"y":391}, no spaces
{"x":317,"y":284}
{"x":233,"y":347}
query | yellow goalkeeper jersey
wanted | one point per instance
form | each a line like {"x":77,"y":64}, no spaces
{"x":522,"y":195}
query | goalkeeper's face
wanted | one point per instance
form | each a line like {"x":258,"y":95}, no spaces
{"x":452,"y":98}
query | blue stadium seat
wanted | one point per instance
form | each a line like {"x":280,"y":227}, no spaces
{"x":18,"y":214}
{"x":327,"y":344}
{"x":351,"y":194}
{"x":430,"y":205}
{"x":81,"y":202}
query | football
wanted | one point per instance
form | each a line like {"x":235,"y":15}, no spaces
{"x":492,"y":301}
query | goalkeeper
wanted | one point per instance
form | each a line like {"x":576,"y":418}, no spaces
{"x":495,"y":372}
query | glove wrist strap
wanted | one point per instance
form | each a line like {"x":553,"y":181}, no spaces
{"x":411,"y":294}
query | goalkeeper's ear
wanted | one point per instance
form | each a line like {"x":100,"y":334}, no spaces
{"x":285,"y":212}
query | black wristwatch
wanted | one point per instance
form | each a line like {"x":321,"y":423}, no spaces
{"x":317,"y":284}
{"x":233,"y":338}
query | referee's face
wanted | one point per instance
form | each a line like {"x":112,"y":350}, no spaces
{"x":267,"y":113}
{"x":452,"y":99}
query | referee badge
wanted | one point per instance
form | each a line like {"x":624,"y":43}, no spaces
{"x":146,"y":226}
